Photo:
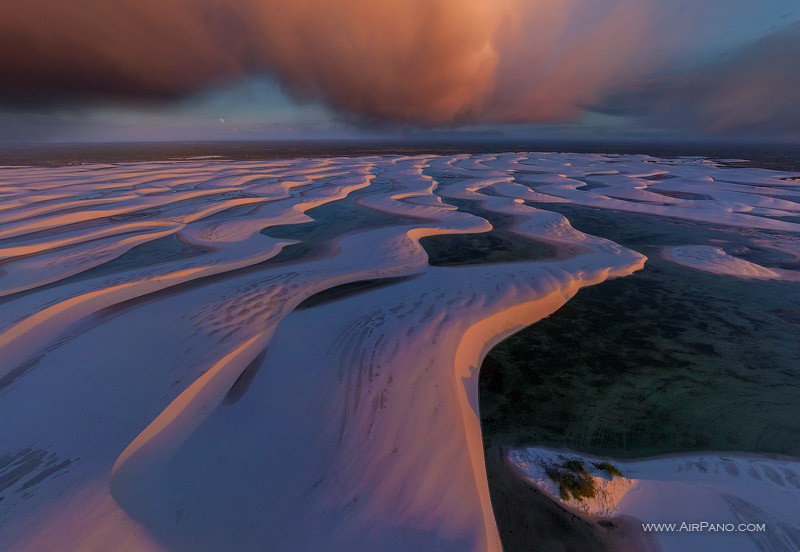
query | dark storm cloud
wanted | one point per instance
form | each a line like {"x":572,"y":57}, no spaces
{"x":756,"y":88}
{"x":428,"y":62}
{"x":145,"y":50}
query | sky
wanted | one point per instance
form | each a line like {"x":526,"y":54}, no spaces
{"x":142,"y":70}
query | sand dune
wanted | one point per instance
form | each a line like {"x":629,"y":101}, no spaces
{"x":164,"y":392}
{"x":716,"y":260}
{"x":730,"y":494}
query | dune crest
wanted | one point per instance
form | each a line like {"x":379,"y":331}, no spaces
{"x":158,"y":340}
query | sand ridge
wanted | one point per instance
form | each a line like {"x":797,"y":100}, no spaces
{"x":354,"y":424}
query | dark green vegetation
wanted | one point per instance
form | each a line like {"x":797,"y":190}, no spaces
{"x":500,"y":245}
{"x":609,"y":468}
{"x":667,"y":360}
{"x":529,"y":520}
{"x":497,"y":246}
{"x":573,"y":480}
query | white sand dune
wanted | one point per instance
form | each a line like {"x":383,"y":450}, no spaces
{"x":176,"y":397}
{"x":714,"y":259}
{"x":712,"y":501}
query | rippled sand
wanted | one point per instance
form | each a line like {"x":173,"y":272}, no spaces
{"x":165,"y":392}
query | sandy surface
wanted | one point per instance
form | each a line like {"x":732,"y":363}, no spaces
{"x":692,"y":502}
{"x":178,"y":400}
{"x":714,"y":259}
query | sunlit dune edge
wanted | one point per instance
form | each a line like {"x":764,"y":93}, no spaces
{"x":198,"y":407}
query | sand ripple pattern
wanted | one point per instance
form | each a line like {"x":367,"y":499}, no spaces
{"x":162,"y":390}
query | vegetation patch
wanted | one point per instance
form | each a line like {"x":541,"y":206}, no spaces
{"x":573,"y":480}
{"x":609,"y":468}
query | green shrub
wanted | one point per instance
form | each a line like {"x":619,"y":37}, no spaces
{"x":609,"y":468}
{"x":573,"y":480}
{"x":574,"y":466}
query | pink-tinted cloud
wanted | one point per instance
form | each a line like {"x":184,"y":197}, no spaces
{"x":431,"y":62}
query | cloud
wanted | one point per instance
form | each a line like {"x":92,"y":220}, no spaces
{"x":755,"y":88}
{"x":423,"y":62}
